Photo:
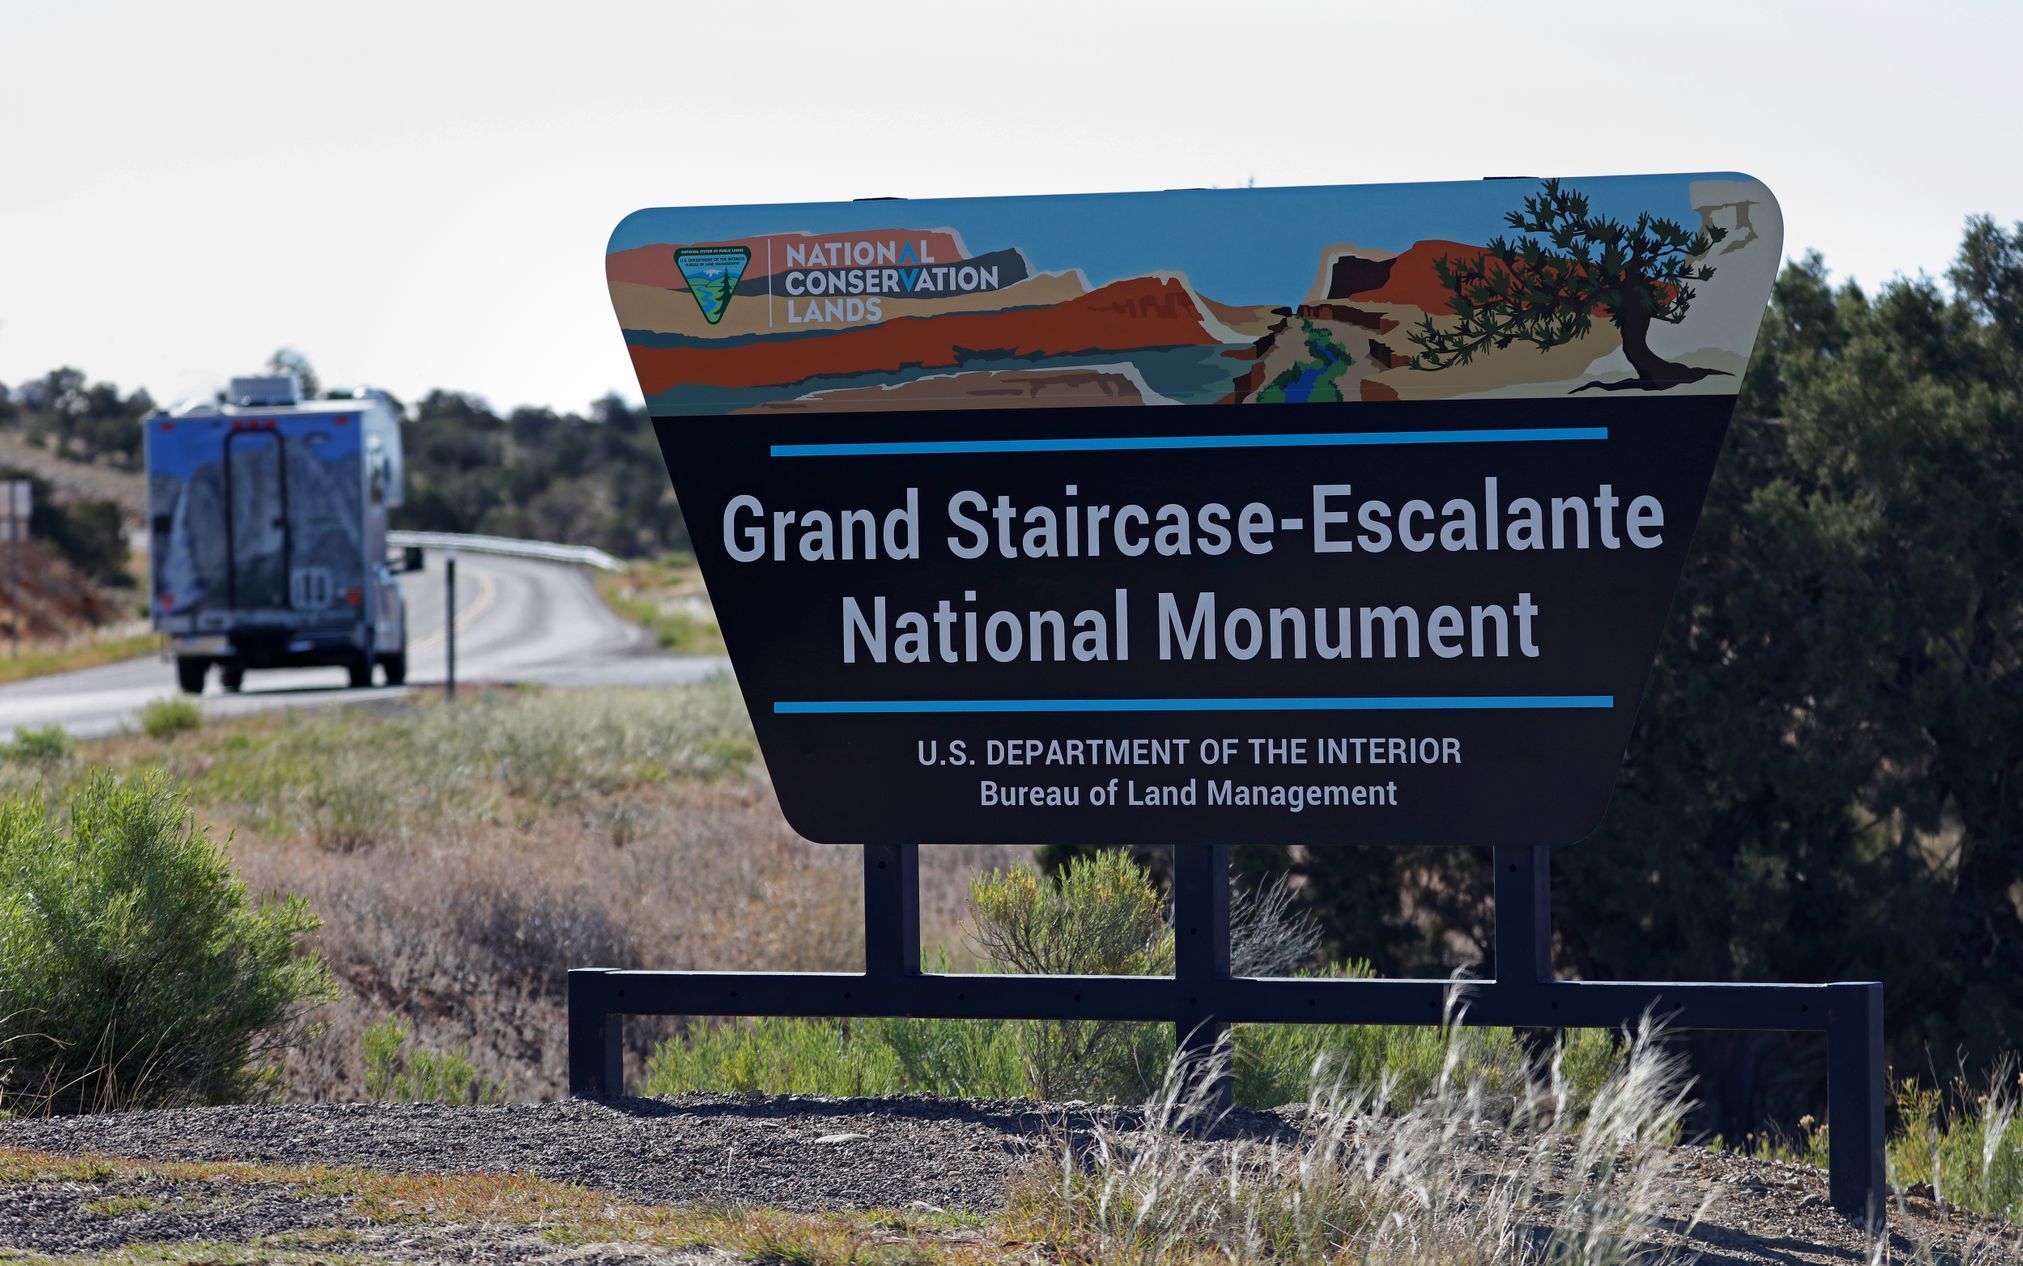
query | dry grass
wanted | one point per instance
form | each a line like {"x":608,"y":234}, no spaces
{"x":106,"y":646}
{"x":561,"y":1214}
{"x":464,"y":857}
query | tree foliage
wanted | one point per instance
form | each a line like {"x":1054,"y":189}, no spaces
{"x":1826,"y":778}
{"x":71,"y":416}
{"x":1546,"y":287}
{"x":584,"y":480}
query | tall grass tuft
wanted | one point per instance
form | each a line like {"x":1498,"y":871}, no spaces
{"x":1971,"y":1156}
{"x":169,"y":716}
{"x":134,"y":969}
{"x":398,"y":1072}
{"x":1472,"y":1172}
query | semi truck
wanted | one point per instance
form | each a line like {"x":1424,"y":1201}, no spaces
{"x":267,"y":520}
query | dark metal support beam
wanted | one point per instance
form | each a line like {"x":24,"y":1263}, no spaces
{"x":1854,"y":1102}
{"x":1201,"y":973}
{"x":1201,"y":999}
{"x":892,"y":911}
{"x":1523,"y":914}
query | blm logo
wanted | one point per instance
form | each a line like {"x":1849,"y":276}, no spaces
{"x":712,"y":273}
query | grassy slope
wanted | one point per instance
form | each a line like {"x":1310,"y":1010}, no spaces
{"x":462,"y":857}
{"x":87,"y":652}
{"x":666,"y":597}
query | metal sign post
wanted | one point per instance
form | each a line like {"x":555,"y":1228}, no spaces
{"x":20,"y":505}
{"x":1335,"y":517}
{"x":450,"y":624}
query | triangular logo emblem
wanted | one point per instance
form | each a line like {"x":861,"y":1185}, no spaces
{"x":712,"y":273}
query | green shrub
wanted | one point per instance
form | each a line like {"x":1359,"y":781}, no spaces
{"x":41,"y":747}
{"x":1102,"y":916}
{"x":776,"y":1055}
{"x":394,"y":1073}
{"x":134,"y":969}
{"x":169,"y":716}
{"x":1098,"y":916}
{"x":1971,"y":1156}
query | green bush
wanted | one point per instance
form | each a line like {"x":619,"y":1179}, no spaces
{"x":41,"y":747}
{"x":169,"y":716}
{"x":1098,"y":916}
{"x":1102,"y":915}
{"x":394,"y":1073}
{"x":134,"y":969}
{"x":960,"y":1058}
{"x":777,"y":1055}
{"x":1971,"y":1156}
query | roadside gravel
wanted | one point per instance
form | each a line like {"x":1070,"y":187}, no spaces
{"x":789,"y":1152}
{"x":808,"y":1154}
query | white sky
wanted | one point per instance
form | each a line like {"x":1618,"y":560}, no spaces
{"x":418,"y":195}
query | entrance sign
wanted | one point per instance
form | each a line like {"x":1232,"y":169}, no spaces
{"x":1344,"y":515}
{"x":1330,"y":515}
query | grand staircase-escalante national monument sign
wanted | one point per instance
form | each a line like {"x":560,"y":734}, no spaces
{"x":1290,"y":516}
{"x":1326,"y":516}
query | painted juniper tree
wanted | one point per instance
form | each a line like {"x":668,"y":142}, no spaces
{"x":1546,"y":287}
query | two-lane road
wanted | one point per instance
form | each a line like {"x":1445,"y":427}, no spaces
{"x":517,"y":620}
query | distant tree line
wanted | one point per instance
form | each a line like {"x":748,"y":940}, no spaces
{"x":66,"y":413}
{"x":594,"y":478}
{"x":1826,"y":778}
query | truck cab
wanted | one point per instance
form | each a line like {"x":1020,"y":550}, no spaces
{"x":267,"y":521}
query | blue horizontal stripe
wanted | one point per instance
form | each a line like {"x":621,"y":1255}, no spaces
{"x":1123,"y":443}
{"x":1352,"y":703}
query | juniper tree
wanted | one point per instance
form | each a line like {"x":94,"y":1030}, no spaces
{"x":1546,"y":287}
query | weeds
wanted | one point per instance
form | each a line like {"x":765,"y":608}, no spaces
{"x":1101,"y":915}
{"x":396,"y":1073}
{"x":170,"y":715}
{"x":1472,"y":1172}
{"x":47,"y":746}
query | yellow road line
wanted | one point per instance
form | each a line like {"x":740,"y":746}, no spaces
{"x":488,"y":591}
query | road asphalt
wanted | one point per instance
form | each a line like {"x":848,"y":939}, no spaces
{"x":517,"y":621}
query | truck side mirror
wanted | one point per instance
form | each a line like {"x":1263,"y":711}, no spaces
{"x":410,"y":558}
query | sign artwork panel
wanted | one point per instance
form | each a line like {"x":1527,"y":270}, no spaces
{"x":1329,"y":515}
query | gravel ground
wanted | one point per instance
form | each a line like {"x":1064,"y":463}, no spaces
{"x":795,"y":1152}
{"x":790,"y":1153}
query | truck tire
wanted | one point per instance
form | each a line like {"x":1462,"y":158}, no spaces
{"x":360,"y":669}
{"x":232,"y":677}
{"x":190,"y":674}
{"x":395,"y":666}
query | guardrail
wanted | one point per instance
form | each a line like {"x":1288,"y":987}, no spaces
{"x":546,"y":551}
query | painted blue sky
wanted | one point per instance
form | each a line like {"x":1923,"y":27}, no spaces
{"x":1239,"y":246}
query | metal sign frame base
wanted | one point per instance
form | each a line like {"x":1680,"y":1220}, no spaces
{"x":1201,"y":999}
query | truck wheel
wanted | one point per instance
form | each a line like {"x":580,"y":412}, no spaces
{"x":395,"y":666}
{"x":360,"y":669}
{"x":232,"y":677}
{"x":190,"y":674}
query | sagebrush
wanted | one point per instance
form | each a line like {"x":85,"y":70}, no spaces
{"x":135,"y":969}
